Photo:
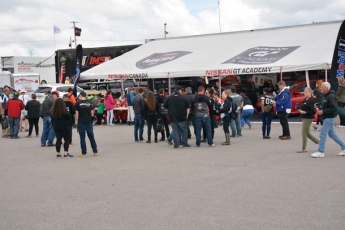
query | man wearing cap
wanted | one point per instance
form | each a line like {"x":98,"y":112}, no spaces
{"x":48,"y":133}
{"x":24,"y":98}
{"x":3,"y":101}
{"x":13,"y":107}
{"x":84,"y":112}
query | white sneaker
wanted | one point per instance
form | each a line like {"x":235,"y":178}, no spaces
{"x":111,"y":124}
{"x":213,"y":145}
{"x":342,"y":153}
{"x":317,"y":155}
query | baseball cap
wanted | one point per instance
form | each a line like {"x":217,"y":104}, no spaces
{"x":56,"y":92}
{"x":82,"y":93}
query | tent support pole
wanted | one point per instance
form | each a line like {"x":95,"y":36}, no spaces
{"x":220,"y":86}
{"x":281,"y":73}
{"x":325,"y":74}
{"x":307,"y":78}
{"x":169,"y":90}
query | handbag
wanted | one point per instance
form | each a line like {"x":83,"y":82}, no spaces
{"x":341,"y":111}
{"x":4,"y":123}
{"x":268,"y":108}
{"x":160,"y":127}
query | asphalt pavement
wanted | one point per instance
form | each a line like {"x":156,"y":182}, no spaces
{"x":251,"y":184}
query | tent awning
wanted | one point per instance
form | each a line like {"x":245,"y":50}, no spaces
{"x":294,"y":48}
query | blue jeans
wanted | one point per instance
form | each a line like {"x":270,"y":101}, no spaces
{"x":180,"y":129}
{"x":138,"y":125}
{"x":14,"y":126}
{"x":246,"y":114}
{"x":203,"y":122}
{"x":266,"y":123}
{"x":48,"y":133}
{"x":235,"y":125}
{"x":328,"y":128}
{"x":82,"y":128}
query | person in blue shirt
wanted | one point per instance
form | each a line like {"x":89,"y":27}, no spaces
{"x":130,"y":102}
{"x":283,"y":108}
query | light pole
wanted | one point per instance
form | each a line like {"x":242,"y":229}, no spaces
{"x":165,"y":30}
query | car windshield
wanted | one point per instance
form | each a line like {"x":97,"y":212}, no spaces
{"x":43,"y":89}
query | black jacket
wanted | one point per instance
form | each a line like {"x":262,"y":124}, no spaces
{"x":71,"y":108}
{"x":151,"y":115}
{"x":329,"y":105}
{"x":33,"y":108}
{"x":62,"y":123}
{"x":309,"y":107}
{"x":226,"y":106}
{"x":203,"y":98}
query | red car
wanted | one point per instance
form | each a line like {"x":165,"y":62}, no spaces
{"x":296,"y":93}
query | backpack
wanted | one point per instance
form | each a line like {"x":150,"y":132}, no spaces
{"x":233,"y":109}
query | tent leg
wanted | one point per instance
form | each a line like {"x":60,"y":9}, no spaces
{"x":281,"y":74}
{"x":307,"y":78}
{"x":326,"y":75}
{"x":169,"y":90}
{"x":220,"y":86}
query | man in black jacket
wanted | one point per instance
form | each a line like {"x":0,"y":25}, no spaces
{"x":328,"y":112}
{"x":178,"y":109}
{"x":163,"y":114}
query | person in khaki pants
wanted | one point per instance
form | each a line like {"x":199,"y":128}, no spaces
{"x":307,"y":111}
{"x":3,"y":100}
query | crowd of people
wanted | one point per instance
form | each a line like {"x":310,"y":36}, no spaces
{"x":205,"y":110}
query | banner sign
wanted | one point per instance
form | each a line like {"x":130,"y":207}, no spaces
{"x":79,"y":56}
{"x":160,"y":58}
{"x":338,"y":61}
{"x":261,"y":55}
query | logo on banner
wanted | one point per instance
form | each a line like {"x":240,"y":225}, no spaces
{"x":160,"y":58}
{"x":341,"y":58}
{"x":261,"y":55}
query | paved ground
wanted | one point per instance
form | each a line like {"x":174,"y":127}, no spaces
{"x":252,"y":184}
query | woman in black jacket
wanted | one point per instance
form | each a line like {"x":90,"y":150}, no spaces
{"x":61,"y":122}
{"x":307,"y":111}
{"x":33,"y":108}
{"x":225,"y":115}
{"x":151,"y":112}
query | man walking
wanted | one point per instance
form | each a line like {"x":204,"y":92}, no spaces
{"x":130,"y":102}
{"x":3,"y":101}
{"x":283,"y":108}
{"x":163,"y":114}
{"x":48,"y":133}
{"x":328,"y":112}
{"x":178,"y":109}
{"x":138,"y":107}
{"x":201,"y":106}
{"x":84,"y":113}
{"x":13,"y":107}
{"x":236,"y":129}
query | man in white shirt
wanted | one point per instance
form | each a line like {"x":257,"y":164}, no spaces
{"x":24,"y":98}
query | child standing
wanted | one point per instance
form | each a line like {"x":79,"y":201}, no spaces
{"x":109,"y":104}
{"x":100,"y":110}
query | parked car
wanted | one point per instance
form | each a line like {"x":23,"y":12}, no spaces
{"x":62,"y":88}
{"x":296,"y":93}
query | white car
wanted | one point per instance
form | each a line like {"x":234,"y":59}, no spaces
{"x":62,"y":88}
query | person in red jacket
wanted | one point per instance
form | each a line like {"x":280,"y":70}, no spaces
{"x":14,"y":107}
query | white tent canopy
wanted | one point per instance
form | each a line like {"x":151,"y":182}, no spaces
{"x":284,"y":49}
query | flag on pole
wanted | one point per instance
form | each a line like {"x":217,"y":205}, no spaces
{"x":56,"y":30}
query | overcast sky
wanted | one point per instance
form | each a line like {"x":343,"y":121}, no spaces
{"x":28,"y":24}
